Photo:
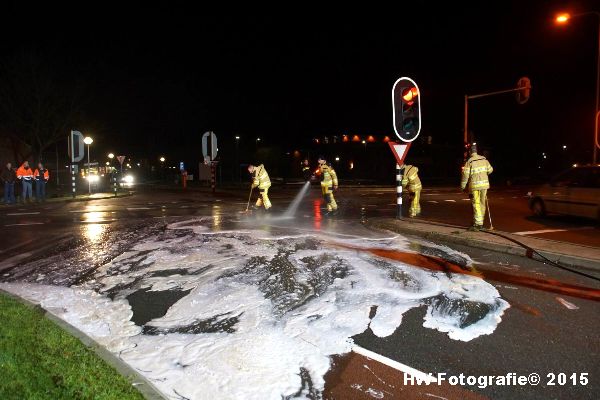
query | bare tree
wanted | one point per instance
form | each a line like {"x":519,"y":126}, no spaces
{"x":37,"y":107}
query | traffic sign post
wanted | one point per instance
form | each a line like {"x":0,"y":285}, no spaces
{"x":209,"y":145}
{"x":400,"y":150}
{"x":76,"y":150}
{"x":406,"y":105}
{"x":121,"y":159}
{"x":209,"y":152}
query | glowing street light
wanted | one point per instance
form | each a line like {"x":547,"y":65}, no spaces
{"x":111,"y":155}
{"x":88,"y":140}
{"x":162,"y":159}
{"x":562,"y":19}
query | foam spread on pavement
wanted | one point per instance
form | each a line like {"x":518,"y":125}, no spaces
{"x":263,"y":312}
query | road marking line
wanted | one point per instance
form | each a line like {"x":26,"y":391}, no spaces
{"x":138,"y":208}
{"x":451,"y":201}
{"x":25,"y":213}
{"x":466,"y":199}
{"x":12,"y":261}
{"x":394,"y":364}
{"x":525,"y":233}
{"x":567,"y":304}
{"x":28,"y":223}
{"x":17,"y":246}
{"x":432,"y":201}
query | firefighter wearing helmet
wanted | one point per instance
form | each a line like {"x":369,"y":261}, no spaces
{"x":260,"y":180}
{"x":475,"y":175}
{"x":329,"y":183}
{"x":410,"y":179}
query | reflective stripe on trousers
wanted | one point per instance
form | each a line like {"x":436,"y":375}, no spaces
{"x":415,"y":205}
{"x":263,"y":198}
{"x":478,"y":200}
{"x":328,"y":196}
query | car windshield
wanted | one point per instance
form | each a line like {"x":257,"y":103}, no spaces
{"x":578,"y":177}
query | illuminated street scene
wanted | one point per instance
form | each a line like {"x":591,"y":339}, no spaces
{"x":255,"y":209}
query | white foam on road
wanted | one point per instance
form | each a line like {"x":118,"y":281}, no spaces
{"x":292,"y":302}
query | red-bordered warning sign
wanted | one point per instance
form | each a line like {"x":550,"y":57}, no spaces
{"x":400,"y":150}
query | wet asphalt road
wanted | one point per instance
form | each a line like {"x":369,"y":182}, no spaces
{"x":538,"y":334}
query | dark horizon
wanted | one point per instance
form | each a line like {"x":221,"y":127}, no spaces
{"x":155,"y":83}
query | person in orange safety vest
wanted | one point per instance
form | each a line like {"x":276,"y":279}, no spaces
{"x":25,"y":175}
{"x":41,"y":177}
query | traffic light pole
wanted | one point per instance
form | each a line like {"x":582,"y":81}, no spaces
{"x":477,"y":96}
{"x":398,"y":192}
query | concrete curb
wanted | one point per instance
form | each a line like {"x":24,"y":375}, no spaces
{"x":145,"y":387}
{"x":572,"y":255}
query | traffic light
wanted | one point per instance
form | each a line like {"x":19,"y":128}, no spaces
{"x":525,"y":85}
{"x":407,"y":109}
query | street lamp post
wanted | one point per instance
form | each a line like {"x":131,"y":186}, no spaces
{"x":88,"y":140}
{"x":162,"y":167}
{"x":237,"y":159}
{"x":562,"y":19}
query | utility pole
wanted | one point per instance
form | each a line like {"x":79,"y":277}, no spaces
{"x":523,"y":90}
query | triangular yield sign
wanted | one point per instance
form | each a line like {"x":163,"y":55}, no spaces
{"x":400,"y":151}
{"x":121,"y":159}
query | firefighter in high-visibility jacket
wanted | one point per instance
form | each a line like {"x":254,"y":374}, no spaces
{"x":410,"y":179}
{"x":329,"y":183}
{"x":475,"y":175}
{"x":306,"y":174}
{"x":260,"y":180}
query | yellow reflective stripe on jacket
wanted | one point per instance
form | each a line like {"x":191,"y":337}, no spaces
{"x":475,"y":173}
{"x":411,"y":178}
{"x":329,"y":176}
{"x":261,"y":178}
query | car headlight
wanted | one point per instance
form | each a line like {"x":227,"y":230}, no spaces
{"x":128,"y":179}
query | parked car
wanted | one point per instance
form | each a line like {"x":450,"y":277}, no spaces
{"x":575,"y":191}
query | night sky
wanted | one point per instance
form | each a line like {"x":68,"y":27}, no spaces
{"x":157,"y":78}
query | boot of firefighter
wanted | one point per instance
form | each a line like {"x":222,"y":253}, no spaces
{"x":332,"y":202}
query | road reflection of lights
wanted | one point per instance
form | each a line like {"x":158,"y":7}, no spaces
{"x":93,"y":216}
{"x":217,"y":217}
{"x":94,"y":232}
{"x":317,"y":211}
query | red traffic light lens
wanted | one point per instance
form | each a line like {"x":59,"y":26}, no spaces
{"x":409,"y":94}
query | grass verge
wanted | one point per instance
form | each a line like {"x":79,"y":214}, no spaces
{"x":39,"y":360}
